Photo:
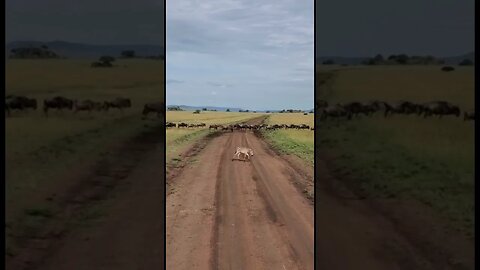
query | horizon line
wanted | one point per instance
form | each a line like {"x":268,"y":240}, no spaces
{"x":85,"y":43}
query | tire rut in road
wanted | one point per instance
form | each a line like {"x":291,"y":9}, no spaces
{"x":266,"y":238}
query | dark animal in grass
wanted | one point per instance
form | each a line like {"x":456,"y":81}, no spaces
{"x":335,"y":111}
{"x":400,"y":107}
{"x":119,"y":103}
{"x":440,"y":108}
{"x":468,"y":116}
{"x":155,"y":107}
{"x":59,"y":103}
{"x":86,"y":105}
{"x":19,"y":103}
{"x":373,"y":106}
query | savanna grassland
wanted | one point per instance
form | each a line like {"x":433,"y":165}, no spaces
{"x":430,"y":160}
{"x":42,"y":152}
{"x":178,"y":139}
{"x":292,"y":141}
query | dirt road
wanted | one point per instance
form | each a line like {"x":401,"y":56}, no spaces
{"x":224,"y":214}
{"x":367,"y":233}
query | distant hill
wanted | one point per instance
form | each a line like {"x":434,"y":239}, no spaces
{"x":220,"y":109}
{"x":342,"y":60}
{"x":81,"y":50}
{"x":452,"y":60}
{"x":210,"y":108}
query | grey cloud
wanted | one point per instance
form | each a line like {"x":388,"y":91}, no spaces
{"x":171,"y":81}
{"x":217,"y":84}
{"x":244,"y":53}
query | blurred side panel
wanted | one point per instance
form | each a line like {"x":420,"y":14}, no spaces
{"x":85,"y":135}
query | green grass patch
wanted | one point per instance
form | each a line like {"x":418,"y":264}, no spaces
{"x":292,"y":141}
{"x":298,"y":144}
{"x":180,"y":139}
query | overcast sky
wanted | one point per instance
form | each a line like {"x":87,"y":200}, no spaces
{"x":240,"y":53}
{"x":86,"y":21}
{"x":368,"y":27}
{"x":248,"y":53}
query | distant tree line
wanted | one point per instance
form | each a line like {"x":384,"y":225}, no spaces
{"x":466,"y":62}
{"x":328,"y":62}
{"x":132,"y":54}
{"x":290,"y":111}
{"x":174,"y":108}
{"x":33,"y":53}
{"x":403,"y":59}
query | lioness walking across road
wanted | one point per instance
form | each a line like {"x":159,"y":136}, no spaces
{"x":246,"y":152}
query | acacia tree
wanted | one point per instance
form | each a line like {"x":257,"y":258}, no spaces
{"x":106,"y":58}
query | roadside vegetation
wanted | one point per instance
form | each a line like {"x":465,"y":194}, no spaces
{"x":292,"y":141}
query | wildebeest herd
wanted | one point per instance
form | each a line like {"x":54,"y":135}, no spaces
{"x":354,"y":109}
{"x":60,"y":103}
{"x":233,"y":127}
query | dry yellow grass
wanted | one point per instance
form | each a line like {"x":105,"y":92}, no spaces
{"x":209,"y":117}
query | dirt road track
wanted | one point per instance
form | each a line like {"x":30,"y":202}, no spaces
{"x":353,"y":233}
{"x":224,"y":214}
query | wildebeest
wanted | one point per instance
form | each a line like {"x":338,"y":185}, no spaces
{"x":119,"y":103}
{"x":170,"y":124}
{"x":246,"y":152}
{"x":354,"y":108}
{"x":229,"y":127}
{"x":401,"y":107}
{"x":182,"y":125}
{"x":157,"y":107}
{"x":86,"y":105}
{"x":19,"y":103}
{"x":335,"y":111}
{"x":468,"y":116}
{"x":440,"y":108}
{"x":373,"y":106}
{"x":58,"y":103}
